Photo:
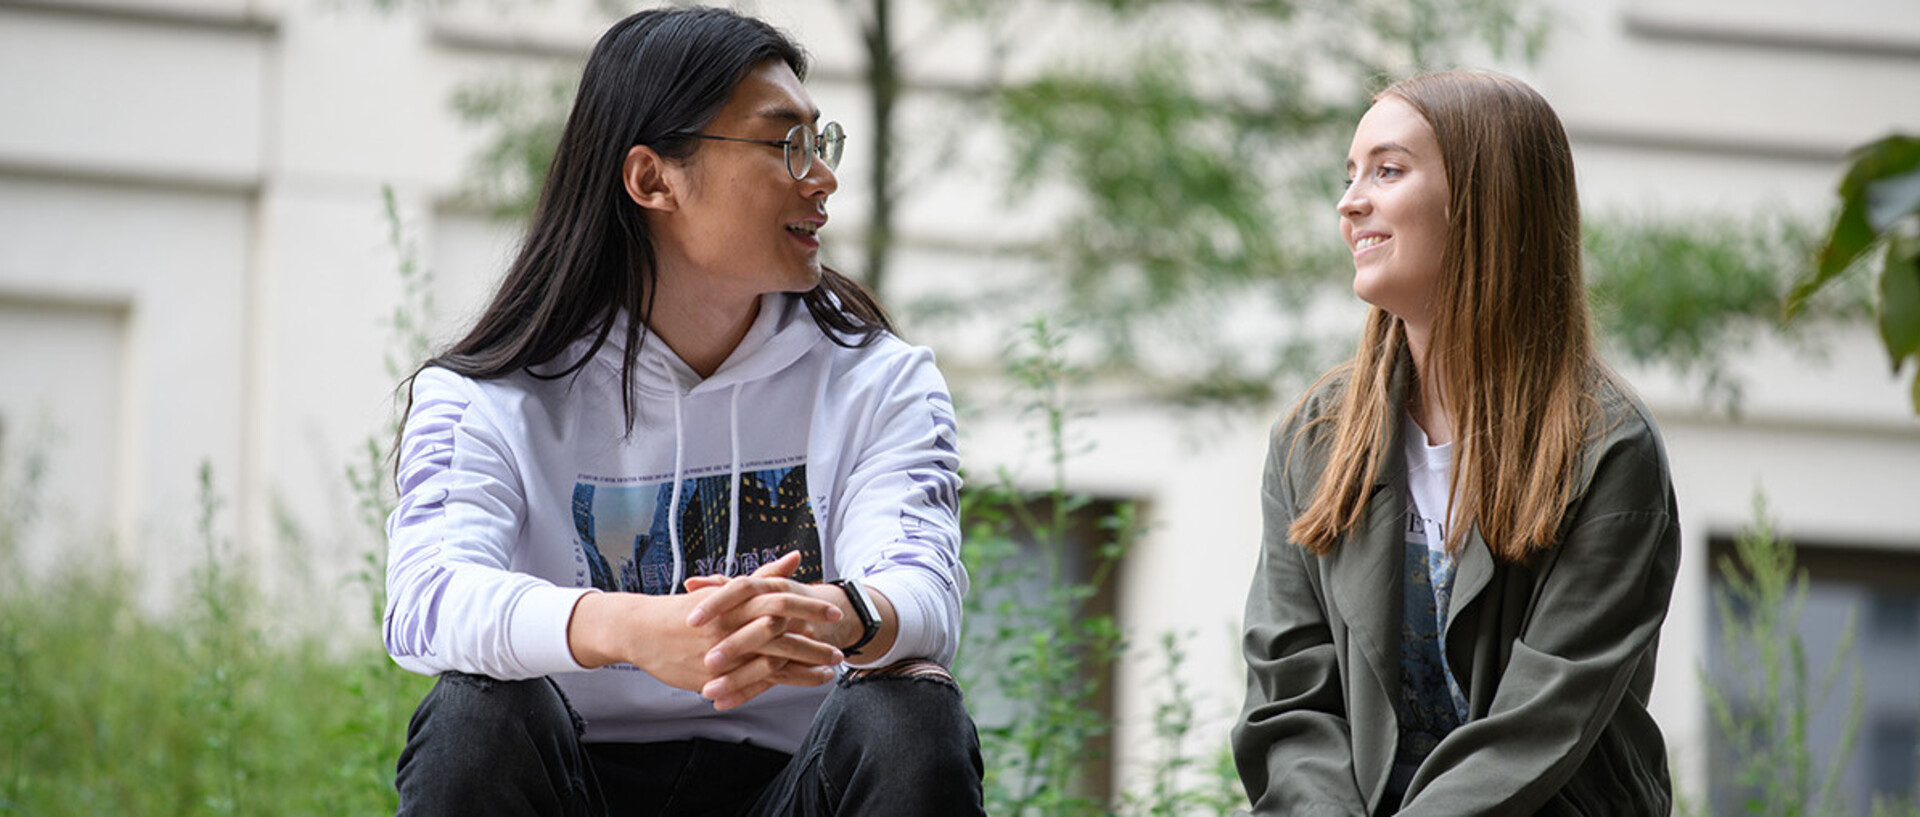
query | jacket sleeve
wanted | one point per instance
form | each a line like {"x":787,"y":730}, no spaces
{"x":452,"y":601}
{"x":1292,"y":744}
{"x":900,"y":529}
{"x":1595,"y":615}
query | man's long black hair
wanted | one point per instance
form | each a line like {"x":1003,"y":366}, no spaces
{"x":653,"y":77}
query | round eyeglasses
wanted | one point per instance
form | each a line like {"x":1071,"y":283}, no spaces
{"x":801,"y":146}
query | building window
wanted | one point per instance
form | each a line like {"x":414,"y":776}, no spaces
{"x":1879,"y":590}
{"x":1894,"y":752}
{"x":1893,"y":616}
{"x":1016,"y":572}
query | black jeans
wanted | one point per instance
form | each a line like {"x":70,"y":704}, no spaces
{"x":893,"y":744}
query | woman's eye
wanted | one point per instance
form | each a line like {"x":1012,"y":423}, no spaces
{"x":1388,"y":172}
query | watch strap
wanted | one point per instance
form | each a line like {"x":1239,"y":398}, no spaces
{"x":863,"y":607}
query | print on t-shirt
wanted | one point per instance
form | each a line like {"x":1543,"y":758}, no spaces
{"x":1430,"y":705}
{"x":626,"y":542}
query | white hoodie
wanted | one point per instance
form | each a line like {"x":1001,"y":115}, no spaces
{"x":518,"y":495}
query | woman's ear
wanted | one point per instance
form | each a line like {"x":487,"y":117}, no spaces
{"x":647,"y":180}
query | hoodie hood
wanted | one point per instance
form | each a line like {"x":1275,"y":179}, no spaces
{"x":781,"y":334}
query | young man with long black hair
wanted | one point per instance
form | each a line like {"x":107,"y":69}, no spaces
{"x":678,"y":516}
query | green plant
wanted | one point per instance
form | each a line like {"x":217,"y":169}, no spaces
{"x":1691,"y":293}
{"x":109,"y":709}
{"x":1040,"y":642}
{"x":385,"y":694}
{"x":523,"y":116}
{"x":1174,"y":789}
{"x":223,"y":643}
{"x":1195,"y":146}
{"x":1763,"y":708}
{"x":19,"y":498}
{"x":369,"y":476}
{"x":1034,"y":655}
{"x":1877,"y":234}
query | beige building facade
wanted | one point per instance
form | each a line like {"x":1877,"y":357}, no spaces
{"x":195,"y":269}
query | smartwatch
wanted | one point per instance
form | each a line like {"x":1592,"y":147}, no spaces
{"x":864,"y":608}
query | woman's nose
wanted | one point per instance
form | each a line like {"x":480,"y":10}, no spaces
{"x":1352,"y":202}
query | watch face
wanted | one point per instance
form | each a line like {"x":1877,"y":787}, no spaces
{"x":857,"y":593}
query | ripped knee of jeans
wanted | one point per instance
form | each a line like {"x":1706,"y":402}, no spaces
{"x":519,"y":696}
{"x":478,"y":683}
{"x":912,"y":669}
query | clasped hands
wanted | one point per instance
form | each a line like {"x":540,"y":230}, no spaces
{"x":730,"y":639}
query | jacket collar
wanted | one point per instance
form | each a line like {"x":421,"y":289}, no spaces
{"x":1367,"y":568}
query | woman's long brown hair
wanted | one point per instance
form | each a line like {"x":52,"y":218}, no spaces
{"x":1512,"y":340}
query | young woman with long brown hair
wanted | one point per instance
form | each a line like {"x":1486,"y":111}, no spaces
{"x":1470,"y":532}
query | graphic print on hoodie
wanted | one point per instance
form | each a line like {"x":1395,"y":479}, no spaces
{"x":627,"y":529}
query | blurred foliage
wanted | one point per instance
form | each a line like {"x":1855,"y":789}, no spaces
{"x":1203,"y":163}
{"x":522,"y":116}
{"x":1765,"y":702}
{"x":1763,"y":708}
{"x":1042,"y":639}
{"x":1195,"y":148}
{"x":1877,"y":233}
{"x":1037,"y":650}
{"x":1200,"y":145}
{"x":108,"y":709}
{"x":1691,"y":293}
{"x":1183,"y":782}
{"x":216,"y":706}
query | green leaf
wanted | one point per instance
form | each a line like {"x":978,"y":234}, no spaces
{"x":1854,"y":230}
{"x":1899,"y":302}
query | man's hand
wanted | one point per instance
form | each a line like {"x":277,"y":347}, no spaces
{"x":764,"y":650}
{"x":739,"y":673}
{"x":729,"y":639}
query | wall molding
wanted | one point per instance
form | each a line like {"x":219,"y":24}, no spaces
{"x":251,"y":19}
{"x":1742,"y":145}
{"x":128,"y":176}
{"x":1683,"y":28}
{"x":494,"y":39}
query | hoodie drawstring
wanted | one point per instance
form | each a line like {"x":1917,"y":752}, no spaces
{"x":733,"y":483}
{"x":679,"y":478}
{"x":673,"y":510}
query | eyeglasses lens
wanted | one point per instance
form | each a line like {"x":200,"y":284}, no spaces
{"x":799,"y":151}
{"x":833,"y":141}
{"x":803,"y":145}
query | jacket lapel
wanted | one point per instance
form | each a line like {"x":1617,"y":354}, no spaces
{"x":1365,"y":577}
{"x":1366,"y":585}
{"x":1470,"y":577}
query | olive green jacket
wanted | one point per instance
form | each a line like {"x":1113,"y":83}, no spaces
{"x":1555,"y":656}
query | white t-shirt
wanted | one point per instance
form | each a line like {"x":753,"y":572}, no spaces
{"x":1430,"y":705}
{"x":1429,"y":517}
{"x":1427,"y":467}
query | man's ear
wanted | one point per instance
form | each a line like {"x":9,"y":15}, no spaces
{"x":647,"y":180}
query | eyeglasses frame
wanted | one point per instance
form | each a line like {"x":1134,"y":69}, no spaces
{"x":789,"y":144}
